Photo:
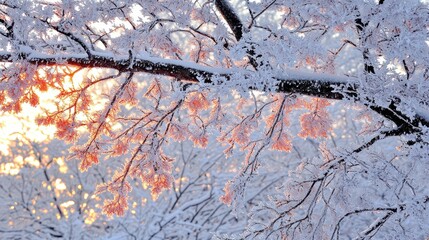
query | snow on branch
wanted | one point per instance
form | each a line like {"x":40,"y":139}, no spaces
{"x":291,"y":81}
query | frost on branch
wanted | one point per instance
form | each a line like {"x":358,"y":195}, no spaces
{"x":127,"y":80}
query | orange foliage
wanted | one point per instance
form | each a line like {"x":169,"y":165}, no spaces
{"x":241,"y":133}
{"x":159,"y":184}
{"x":195,"y":102}
{"x":129,"y":94}
{"x":120,"y":148}
{"x":45,"y":120}
{"x":116,"y":206}
{"x":154,"y":168}
{"x":229,"y":194}
{"x":88,"y":160}
{"x":33,"y":99}
{"x":200,"y":140}
{"x":282,"y":143}
{"x":178,"y":132}
{"x":65,"y":130}
{"x":317,"y":122}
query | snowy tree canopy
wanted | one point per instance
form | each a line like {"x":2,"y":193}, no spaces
{"x":128,"y":79}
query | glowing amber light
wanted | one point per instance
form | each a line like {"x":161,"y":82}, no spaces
{"x":67,"y":204}
{"x":62,"y":164}
{"x":92,"y":216}
{"x":23,"y":128}
{"x":9,"y":168}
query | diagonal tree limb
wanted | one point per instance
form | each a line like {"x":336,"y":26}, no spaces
{"x":237,"y":27}
{"x":375,"y":226}
{"x":230,"y":17}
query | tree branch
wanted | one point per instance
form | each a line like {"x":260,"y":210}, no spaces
{"x":299,"y":82}
{"x":237,"y":28}
{"x":230,"y":17}
{"x":294,"y":81}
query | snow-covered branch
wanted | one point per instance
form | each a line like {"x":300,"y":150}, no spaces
{"x":290,"y":81}
{"x":346,"y":81}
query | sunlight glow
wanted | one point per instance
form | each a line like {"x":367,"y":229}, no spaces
{"x":92,"y":216}
{"x":9,"y":169}
{"x":21,"y":138}
{"x":60,"y":185}
{"x":67,"y":204}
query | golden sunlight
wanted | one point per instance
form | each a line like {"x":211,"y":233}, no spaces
{"x":21,"y":137}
